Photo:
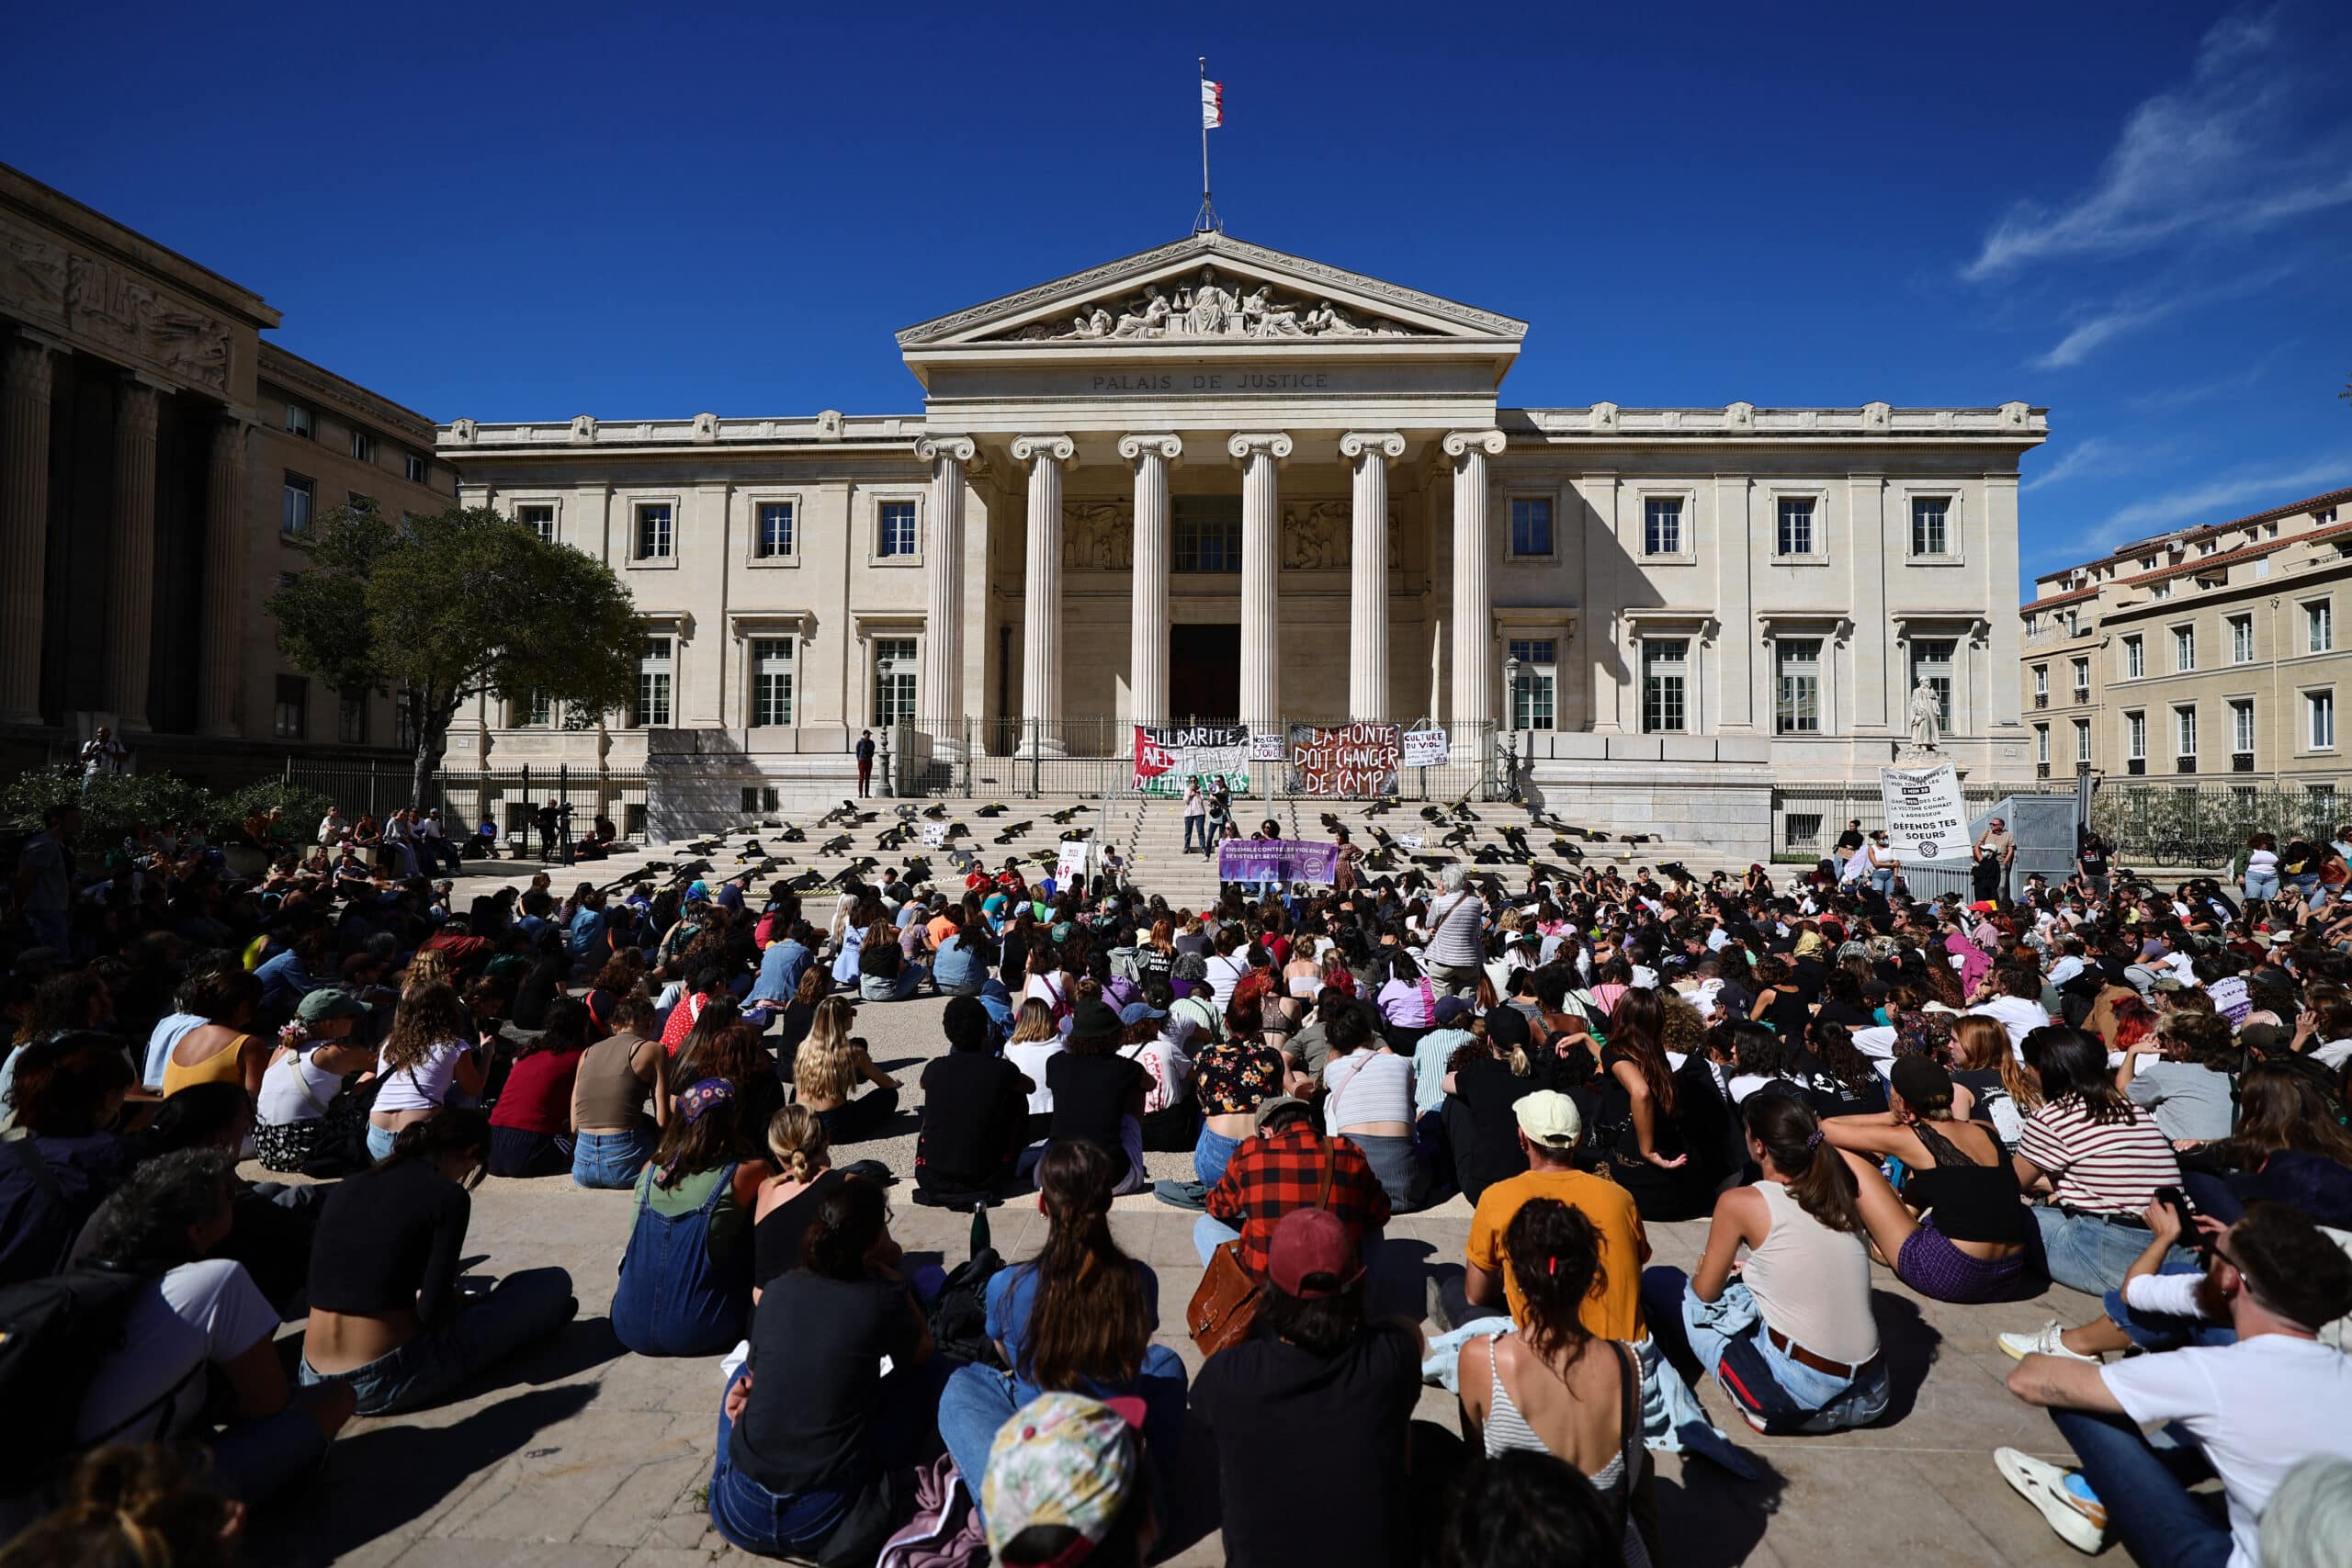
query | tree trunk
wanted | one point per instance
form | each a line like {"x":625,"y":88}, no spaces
{"x":432,"y":716}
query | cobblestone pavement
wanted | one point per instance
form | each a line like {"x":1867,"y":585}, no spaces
{"x":579,"y":1454}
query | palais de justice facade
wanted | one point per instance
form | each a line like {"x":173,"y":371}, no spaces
{"x":1215,"y":481}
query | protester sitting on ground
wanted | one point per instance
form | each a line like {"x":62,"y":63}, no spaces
{"x":1526,"y":1509}
{"x":222,"y":1049}
{"x":530,"y":1127}
{"x":1956,"y":1232}
{"x":133,"y":1504}
{"x":884,"y":974}
{"x":1559,"y":1386}
{"x":1368,"y":1099}
{"x":1548,"y":1131}
{"x":1317,"y":1402}
{"x":1079,"y":1318}
{"x":789,"y":1200}
{"x":1036,"y":1041}
{"x":305,"y":1073}
{"x":2183,"y":1074}
{"x":66,"y":1094}
{"x":1998,"y":1082}
{"x":428,"y":1054}
{"x":1068,"y":1483}
{"x":812,"y":1436}
{"x":1790,"y":1338}
{"x":828,"y":1070}
{"x":385,"y":1298}
{"x":731,"y":1049}
{"x":1231,"y":1079}
{"x":2249,"y":1411}
{"x":1286,"y":1165}
{"x":1635,"y":1126}
{"x":2099,"y":1157}
{"x":800,"y":1012}
{"x":685,"y":1278}
{"x":1172,"y":1122}
{"x":975,"y":1114}
{"x":1482,"y":1084}
{"x":612,"y":1135}
{"x":199,"y":1316}
{"x":1099,"y":1094}
{"x":1407,"y":1003}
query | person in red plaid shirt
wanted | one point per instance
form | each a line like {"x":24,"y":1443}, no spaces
{"x":1282,"y":1169}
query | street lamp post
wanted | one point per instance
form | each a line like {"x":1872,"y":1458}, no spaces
{"x":1510,"y":744}
{"x":889,"y":706}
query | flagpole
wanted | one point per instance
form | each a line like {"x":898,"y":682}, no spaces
{"x":1205,"y":220}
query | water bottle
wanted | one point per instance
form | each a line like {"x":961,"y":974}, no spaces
{"x":979,"y":1227}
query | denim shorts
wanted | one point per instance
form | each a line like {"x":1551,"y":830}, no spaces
{"x":609,"y":1161}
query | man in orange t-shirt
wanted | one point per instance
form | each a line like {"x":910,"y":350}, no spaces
{"x":1549,"y":1130}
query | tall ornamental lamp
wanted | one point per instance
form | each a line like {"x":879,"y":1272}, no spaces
{"x":1510,"y":745}
{"x":889,"y":716}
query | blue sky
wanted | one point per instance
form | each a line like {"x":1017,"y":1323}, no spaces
{"x":2140,"y":215}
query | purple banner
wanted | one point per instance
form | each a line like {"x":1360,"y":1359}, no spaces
{"x":1276,"y":860}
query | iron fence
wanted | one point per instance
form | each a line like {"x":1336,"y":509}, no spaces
{"x":1807,"y":817}
{"x":2204,"y":828}
{"x":506,"y":798}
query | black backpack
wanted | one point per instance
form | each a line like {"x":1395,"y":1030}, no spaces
{"x":53,"y":1334}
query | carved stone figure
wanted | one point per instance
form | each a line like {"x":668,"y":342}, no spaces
{"x":1097,"y":536}
{"x":1150,"y":322}
{"x":1927,"y":717}
{"x":1210,"y":307}
{"x":1316,"y":536}
{"x":1093,"y":323}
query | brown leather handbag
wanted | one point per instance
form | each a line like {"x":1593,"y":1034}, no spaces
{"x":1225,"y":1303}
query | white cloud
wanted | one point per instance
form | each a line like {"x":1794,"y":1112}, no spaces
{"x":2096,"y":333}
{"x":2218,"y":501}
{"x":2090,"y":457}
{"x":2219,"y":154}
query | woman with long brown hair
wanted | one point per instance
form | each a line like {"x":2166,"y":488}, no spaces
{"x":427,"y":1053}
{"x":1636,"y":1126}
{"x":1078,"y":1318}
{"x":1791,"y":1338}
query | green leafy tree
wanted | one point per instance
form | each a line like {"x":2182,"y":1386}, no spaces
{"x":441,"y":609}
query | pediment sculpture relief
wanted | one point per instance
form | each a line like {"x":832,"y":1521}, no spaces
{"x":1098,"y":535}
{"x":1211,"y":305}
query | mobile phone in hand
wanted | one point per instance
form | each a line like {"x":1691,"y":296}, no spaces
{"x":2173,"y":1198}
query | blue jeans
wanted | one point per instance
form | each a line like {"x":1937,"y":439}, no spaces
{"x":611,"y":1160}
{"x":842,"y":1524}
{"x":2089,"y":1255}
{"x":1210,"y":1153}
{"x":874,"y":989}
{"x":379,"y":1140}
{"x":2146,"y":1488}
{"x":979,"y":1400}
{"x":2262,"y":885}
{"x":1885,"y":882}
{"x":1674,"y":1310}
{"x":526,"y":1306}
{"x":2161,"y":1331}
{"x":1196,"y":835}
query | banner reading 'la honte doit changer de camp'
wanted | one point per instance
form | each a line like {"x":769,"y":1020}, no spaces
{"x":1343,"y":758}
{"x":1926,"y":819}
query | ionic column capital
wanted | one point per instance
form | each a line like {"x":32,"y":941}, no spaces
{"x":1245,"y":445}
{"x":1385,"y":444}
{"x":954,"y":448}
{"x":1168,"y":447}
{"x":1043,"y":448}
{"x":1461,"y":442}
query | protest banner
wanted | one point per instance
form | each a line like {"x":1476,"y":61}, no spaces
{"x":1168,"y":754}
{"x":1425,"y":748}
{"x":1343,"y":758}
{"x":1926,"y":819}
{"x":1276,"y":860}
{"x":934,"y":834}
{"x":1070,"y":870}
{"x":1266,"y":748}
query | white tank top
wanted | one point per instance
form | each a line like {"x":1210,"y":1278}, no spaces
{"x":1811,"y":1283}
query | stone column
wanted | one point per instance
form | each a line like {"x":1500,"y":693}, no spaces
{"x":1474,"y":604}
{"x":939,"y":695}
{"x":1041,"y":625}
{"x":130,"y":554}
{"x":1147,"y":649}
{"x":1368,"y":572}
{"x":221,"y":634}
{"x":26,"y":375}
{"x":1262,"y":562}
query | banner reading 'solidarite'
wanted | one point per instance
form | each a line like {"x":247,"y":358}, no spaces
{"x":1343,"y":758}
{"x":1168,"y":754}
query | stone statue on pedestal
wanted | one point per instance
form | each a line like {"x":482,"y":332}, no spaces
{"x":1927,"y":717}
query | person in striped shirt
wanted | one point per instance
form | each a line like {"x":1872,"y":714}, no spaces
{"x":2094,"y":1159}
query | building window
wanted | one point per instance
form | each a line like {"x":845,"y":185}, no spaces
{"x":1929,"y":515}
{"x":1662,"y":526}
{"x":403,"y":720}
{"x":2319,"y":719}
{"x":2184,"y":730}
{"x":290,"y":713}
{"x":2184,"y":649}
{"x":1530,"y":703}
{"x":775,"y":537}
{"x":537,"y":709}
{"x":634,"y":817}
{"x":655,"y":540}
{"x":2242,"y":639}
{"x":1803,"y":831}
{"x":300,"y":496}
{"x":2135,"y":658}
{"x":358,"y":501}
{"x":2162,"y":590}
{"x":538,"y":517}
{"x":1531,"y":525}
{"x":2242,"y":727}
{"x":2082,"y":669}
{"x":895,"y":520}
{"x":894,"y":694}
{"x":2041,"y":682}
{"x":2082,"y":740}
{"x":416,"y":470}
{"x":1931,"y":662}
{"x":2319,"y":626}
{"x":772,"y":681}
{"x":1795,"y":535}
{"x":2135,"y":735}
{"x":351,"y":718}
{"x":1664,"y":672}
{"x":298,"y":421}
{"x":653,"y":670}
{"x":1206,"y":533}
{"x":1796,"y":708}
{"x":2041,"y":744}
{"x":363,"y":445}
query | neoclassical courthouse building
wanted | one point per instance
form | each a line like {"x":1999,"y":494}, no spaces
{"x":1205,"y":482}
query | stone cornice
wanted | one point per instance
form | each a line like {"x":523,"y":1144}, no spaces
{"x":279,"y":365}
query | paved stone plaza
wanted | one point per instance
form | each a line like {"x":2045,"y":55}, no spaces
{"x":582,"y":1455}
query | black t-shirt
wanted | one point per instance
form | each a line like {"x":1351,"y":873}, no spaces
{"x":775,"y":1240}
{"x":817,"y":1345}
{"x":973,"y":1115}
{"x":2094,"y":863}
{"x":1488,"y":1089}
{"x":1850,"y":839}
{"x":1311,"y":1449}
{"x":1090,"y":1093}
{"x":390,"y":1239}
{"x":1834,"y":1011}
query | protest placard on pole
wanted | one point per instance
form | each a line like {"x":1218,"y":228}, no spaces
{"x":1926,"y":819}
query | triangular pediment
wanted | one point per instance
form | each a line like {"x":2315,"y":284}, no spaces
{"x":1209,"y":287}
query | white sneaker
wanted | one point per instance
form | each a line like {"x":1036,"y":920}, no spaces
{"x":2044,"y":1341}
{"x":2079,"y":1519}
